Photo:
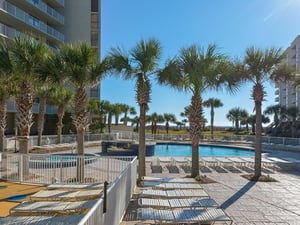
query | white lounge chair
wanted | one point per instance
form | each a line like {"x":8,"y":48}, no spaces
{"x":237,"y":161}
{"x":200,"y":202}
{"x":154,"y":202}
{"x":209,"y":161}
{"x":224,"y":160}
{"x":42,"y":208}
{"x":184,"y":215}
{"x":169,"y":180}
{"x":40,"y":220}
{"x":278,"y":160}
{"x":203,"y":202}
{"x":292,"y":160}
{"x":150,"y":193}
{"x":172,"y":186}
{"x":249,"y":160}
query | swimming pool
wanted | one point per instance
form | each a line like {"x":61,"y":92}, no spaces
{"x":173,"y":149}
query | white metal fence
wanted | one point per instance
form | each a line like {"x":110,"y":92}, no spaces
{"x":11,"y":143}
{"x":228,"y":138}
{"x":118,"y":199}
{"x":61,"y":169}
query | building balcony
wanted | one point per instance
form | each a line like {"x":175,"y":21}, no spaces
{"x":12,"y":107}
{"x":277,"y":99}
{"x":47,"y":10}
{"x":56,"y":3}
{"x":8,"y":32}
{"x":19,"y":18}
{"x":277,"y":92}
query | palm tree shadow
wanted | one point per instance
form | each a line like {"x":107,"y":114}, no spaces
{"x":237,"y":195}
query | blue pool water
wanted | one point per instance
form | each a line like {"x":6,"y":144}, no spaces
{"x":171,"y":149}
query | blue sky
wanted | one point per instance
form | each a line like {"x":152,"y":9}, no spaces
{"x":233,"y":25}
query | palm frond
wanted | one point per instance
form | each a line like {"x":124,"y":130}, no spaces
{"x":118,"y":62}
{"x":146,"y":55}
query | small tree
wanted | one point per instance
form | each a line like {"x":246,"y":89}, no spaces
{"x":212,"y":103}
{"x":169,"y":117}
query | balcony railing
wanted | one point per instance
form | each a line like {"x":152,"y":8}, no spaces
{"x":12,"y":107}
{"x":28,"y":19}
{"x":47,"y":9}
{"x":8,"y":32}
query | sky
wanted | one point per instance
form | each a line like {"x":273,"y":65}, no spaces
{"x":233,"y":25}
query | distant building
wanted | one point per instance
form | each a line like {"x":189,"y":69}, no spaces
{"x":57,"y":21}
{"x":286,"y":94}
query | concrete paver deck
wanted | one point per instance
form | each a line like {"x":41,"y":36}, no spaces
{"x":246,"y":202}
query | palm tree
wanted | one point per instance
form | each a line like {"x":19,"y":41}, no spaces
{"x":82,"y":70}
{"x":43,"y":90}
{"x":28,"y":55}
{"x":293,"y":112}
{"x":126,"y":109}
{"x":195,"y":70}
{"x":259,"y":66}
{"x":169,"y":117}
{"x":252,"y":120}
{"x":245,"y":119}
{"x":153,"y":120}
{"x":277,"y":110}
{"x":108,"y":110}
{"x":135,"y":121}
{"x":139,"y":64}
{"x":5,"y":87}
{"x":60,"y":97}
{"x":236,"y":115}
{"x":212,"y":103}
{"x":94,"y":108}
{"x":117,"y":110}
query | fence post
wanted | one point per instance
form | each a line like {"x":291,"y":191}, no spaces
{"x":21,"y":168}
{"x":107,"y":168}
{"x":105,"y":197}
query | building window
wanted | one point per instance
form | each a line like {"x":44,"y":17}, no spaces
{"x":95,"y":92}
{"x":94,"y":5}
{"x":34,"y":21}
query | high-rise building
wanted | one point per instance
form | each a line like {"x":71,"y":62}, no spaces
{"x":57,"y":22}
{"x":286,"y":94}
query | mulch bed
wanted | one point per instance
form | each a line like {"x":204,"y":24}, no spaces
{"x":262,"y":178}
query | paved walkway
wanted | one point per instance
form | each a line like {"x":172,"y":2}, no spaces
{"x":247,"y":203}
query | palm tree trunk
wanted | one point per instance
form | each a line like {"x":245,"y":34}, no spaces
{"x":212,"y":114}
{"x":167,"y":127}
{"x":236,"y":126}
{"x":60,"y":115}
{"x":41,"y":119}
{"x":80,"y":153}
{"x":195,"y":119}
{"x":109,"y":123}
{"x":24,"y":115}
{"x":258,"y":95}
{"x":2,"y":123}
{"x":142,"y":144}
{"x":125,"y":119}
{"x":116,"y":120}
{"x":258,"y":133}
{"x":80,"y":120}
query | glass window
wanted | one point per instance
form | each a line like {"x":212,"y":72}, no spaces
{"x":95,"y":5}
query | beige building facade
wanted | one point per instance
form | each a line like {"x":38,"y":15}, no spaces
{"x":286,"y":94}
{"x":57,"y":22}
